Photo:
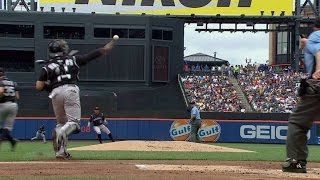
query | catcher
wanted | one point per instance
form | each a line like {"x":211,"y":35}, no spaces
{"x":41,"y":132}
{"x":99,"y":124}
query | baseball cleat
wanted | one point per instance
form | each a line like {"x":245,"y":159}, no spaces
{"x":63,"y":156}
{"x":294,"y":166}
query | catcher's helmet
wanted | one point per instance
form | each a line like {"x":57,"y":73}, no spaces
{"x":58,"y":47}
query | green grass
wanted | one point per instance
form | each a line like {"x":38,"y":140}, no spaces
{"x":35,"y":151}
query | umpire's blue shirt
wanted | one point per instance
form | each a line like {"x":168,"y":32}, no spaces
{"x":195,"y":111}
{"x":312,"y":48}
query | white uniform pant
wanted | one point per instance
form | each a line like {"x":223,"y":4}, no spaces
{"x":39,"y":135}
{"x":102,"y":128}
{"x":8,"y":113}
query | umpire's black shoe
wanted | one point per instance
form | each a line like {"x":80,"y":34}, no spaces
{"x":294,"y":166}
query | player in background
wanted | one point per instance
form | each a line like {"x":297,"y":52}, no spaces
{"x":99,"y":124}
{"x":40,"y":132}
{"x":9,"y":94}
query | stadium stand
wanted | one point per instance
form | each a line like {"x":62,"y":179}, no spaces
{"x":241,"y":88}
{"x":212,"y":92}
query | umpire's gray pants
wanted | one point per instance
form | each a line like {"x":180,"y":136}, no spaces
{"x":195,"y":126}
{"x":8,"y":113}
{"x":301,"y":120}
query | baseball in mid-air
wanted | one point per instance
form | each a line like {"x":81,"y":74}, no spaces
{"x":115,"y":37}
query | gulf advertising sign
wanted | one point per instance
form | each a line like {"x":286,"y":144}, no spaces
{"x":173,"y":7}
{"x":208,"y":132}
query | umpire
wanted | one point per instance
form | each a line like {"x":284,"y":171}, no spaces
{"x":195,"y":122}
{"x":306,"y":112}
{"x":100,"y":124}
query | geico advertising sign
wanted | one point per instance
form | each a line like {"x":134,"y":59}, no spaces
{"x":173,"y":7}
{"x":208,"y":132}
{"x":264,"y":132}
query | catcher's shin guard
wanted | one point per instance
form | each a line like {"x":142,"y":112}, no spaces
{"x":55,"y":140}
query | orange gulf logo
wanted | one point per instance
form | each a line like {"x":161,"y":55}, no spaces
{"x":209,"y":131}
{"x":180,"y":130}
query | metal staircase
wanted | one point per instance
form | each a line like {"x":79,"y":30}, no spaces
{"x":241,"y":94}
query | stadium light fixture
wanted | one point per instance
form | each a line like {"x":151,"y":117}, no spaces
{"x":73,"y":9}
{"x":168,"y":14}
{"x":293,"y":13}
{"x":52,"y":9}
{"x":282,"y":13}
{"x":117,"y":13}
{"x":93,"y":12}
{"x":41,"y":8}
{"x":218,"y":15}
{"x":143,"y":14}
{"x":261,"y":12}
{"x":272,"y":13}
{"x":63,"y":9}
{"x":242,"y":15}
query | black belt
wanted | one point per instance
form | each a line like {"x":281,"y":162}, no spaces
{"x":7,"y":101}
{"x":73,"y":85}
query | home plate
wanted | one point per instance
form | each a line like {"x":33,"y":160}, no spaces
{"x":312,"y":172}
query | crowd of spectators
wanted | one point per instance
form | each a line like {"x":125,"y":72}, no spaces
{"x":269,"y":91}
{"x":212,"y":92}
{"x":214,"y":69}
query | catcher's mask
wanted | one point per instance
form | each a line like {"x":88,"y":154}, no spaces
{"x":58,"y":47}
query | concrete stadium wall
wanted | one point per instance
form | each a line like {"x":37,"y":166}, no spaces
{"x":236,"y":131}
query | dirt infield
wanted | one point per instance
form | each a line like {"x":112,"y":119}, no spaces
{"x":158,"y":146}
{"x":154,"y":169}
{"x":157,"y":170}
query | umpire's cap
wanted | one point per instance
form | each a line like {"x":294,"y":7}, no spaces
{"x":96,"y":108}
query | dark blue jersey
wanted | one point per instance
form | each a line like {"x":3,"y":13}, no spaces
{"x":97,"y":119}
{"x":10,"y":89}
{"x":62,"y":70}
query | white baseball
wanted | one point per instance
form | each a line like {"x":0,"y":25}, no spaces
{"x":115,"y":37}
